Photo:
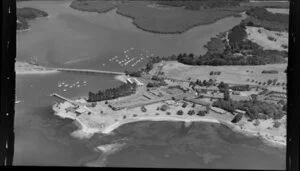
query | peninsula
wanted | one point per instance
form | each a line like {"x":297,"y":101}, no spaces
{"x":25,"y":14}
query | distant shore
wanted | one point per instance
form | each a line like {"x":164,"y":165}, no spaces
{"x":141,"y":23}
{"x":24,"y":68}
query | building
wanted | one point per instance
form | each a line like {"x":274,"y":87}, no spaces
{"x":138,"y":82}
{"x":237,"y":111}
{"x":204,"y":89}
{"x":79,"y":111}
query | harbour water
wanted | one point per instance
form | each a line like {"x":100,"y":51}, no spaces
{"x":70,"y":38}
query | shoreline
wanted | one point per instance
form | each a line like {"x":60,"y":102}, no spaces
{"x":25,"y":68}
{"x":176,"y":32}
{"x":36,"y":72}
{"x":237,"y":14}
{"x":84,"y":131}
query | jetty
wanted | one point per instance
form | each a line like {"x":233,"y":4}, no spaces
{"x":88,"y":71}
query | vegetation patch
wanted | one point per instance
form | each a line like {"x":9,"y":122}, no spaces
{"x":27,"y":13}
{"x":112,"y":93}
{"x":99,"y":6}
{"x":253,"y":108}
{"x":171,"y":21}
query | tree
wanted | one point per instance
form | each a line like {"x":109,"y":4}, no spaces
{"x":226,"y":95}
{"x":179,"y":112}
{"x":191,"y":112}
{"x":254,"y":97}
{"x":143,"y":109}
{"x":276,"y":124}
{"x":269,"y":82}
{"x":237,"y":118}
{"x":201,"y":113}
{"x":211,"y":73}
{"x":256,"y":123}
{"x":193,"y":105}
{"x":164,"y":107}
{"x":184,"y":105}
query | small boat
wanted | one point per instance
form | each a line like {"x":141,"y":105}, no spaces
{"x":78,"y":85}
{"x":59,"y":85}
{"x":65,"y":89}
{"x":17,"y":101}
{"x":66,"y":85}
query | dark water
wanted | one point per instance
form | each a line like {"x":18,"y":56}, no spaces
{"x":41,"y":137}
{"x":70,"y":38}
{"x":201,"y":145}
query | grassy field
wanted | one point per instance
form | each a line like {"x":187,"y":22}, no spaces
{"x":266,"y":4}
{"x":170,"y":19}
{"x":229,"y":74}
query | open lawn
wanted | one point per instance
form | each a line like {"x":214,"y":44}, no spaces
{"x":229,"y":74}
{"x":268,"y":39}
{"x":266,"y":4}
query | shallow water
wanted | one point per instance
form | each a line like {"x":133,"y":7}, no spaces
{"x":70,"y":38}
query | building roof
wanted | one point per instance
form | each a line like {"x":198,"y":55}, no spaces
{"x":80,"y":110}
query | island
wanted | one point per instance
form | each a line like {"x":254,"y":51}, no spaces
{"x":25,"y":14}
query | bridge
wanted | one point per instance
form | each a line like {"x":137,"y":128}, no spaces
{"x":91,"y":71}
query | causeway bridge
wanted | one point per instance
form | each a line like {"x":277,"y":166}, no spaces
{"x":88,"y":71}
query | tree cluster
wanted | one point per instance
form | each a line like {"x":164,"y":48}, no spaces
{"x":112,"y":93}
{"x":254,"y":109}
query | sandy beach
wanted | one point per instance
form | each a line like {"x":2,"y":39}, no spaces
{"x":23,"y":68}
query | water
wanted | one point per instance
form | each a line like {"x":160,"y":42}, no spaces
{"x":70,"y":38}
{"x":201,"y":145}
{"x":92,"y":38}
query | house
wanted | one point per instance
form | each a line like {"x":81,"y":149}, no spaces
{"x":204,"y":89}
{"x":129,"y":80}
{"x":239,"y":111}
{"x":79,"y":111}
{"x":236,"y":92}
{"x":138,"y":82}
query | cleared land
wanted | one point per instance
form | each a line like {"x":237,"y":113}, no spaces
{"x":272,"y":40}
{"x":229,"y":74}
{"x":267,"y":4}
{"x":279,"y":10}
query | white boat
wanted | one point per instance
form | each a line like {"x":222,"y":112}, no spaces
{"x":78,"y":85}
{"x":65,"y":89}
{"x":59,"y":85}
{"x":18,"y":101}
{"x":66,"y":85}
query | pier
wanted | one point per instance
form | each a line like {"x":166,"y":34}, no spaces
{"x":88,"y":71}
{"x":64,"y":99}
